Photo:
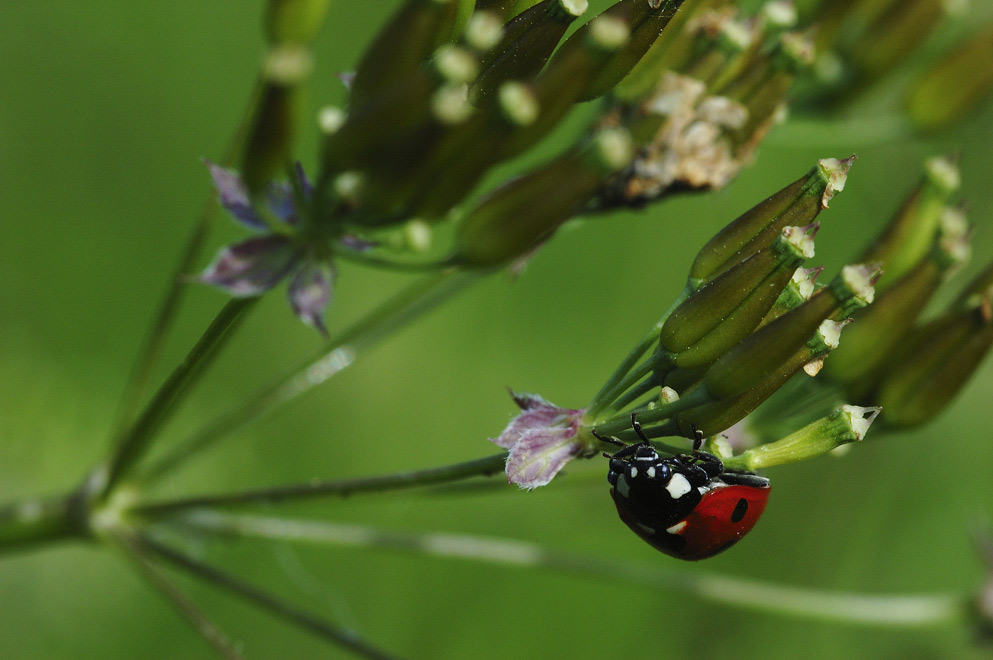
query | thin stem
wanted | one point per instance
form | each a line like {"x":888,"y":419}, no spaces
{"x":603,"y":398}
{"x":133,"y":444}
{"x":152,"y":347}
{"x":660,"y":413}
{"x":406,"y":306}
{"x":183,"y":604}
{"x":638,"y":389}
{"x":484,"y":467}
{"x":295,"y":615}
{"x":629,"y":380}
{"x":854,"y":608}
{"x":42,"y":521}
{"x":612,"y":388}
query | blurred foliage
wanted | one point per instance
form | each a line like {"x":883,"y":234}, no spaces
{"x":107,"y":108}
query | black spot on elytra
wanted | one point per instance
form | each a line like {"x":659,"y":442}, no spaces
{"x":740,"y":510}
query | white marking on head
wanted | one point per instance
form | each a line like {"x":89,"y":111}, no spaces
{"x":650,"y":472}
{"x":622,"y":486}
{"x":648,"y":457}
{"x":678,"y":486}
{"x":633,"y":472}
{"x":677,"y":528}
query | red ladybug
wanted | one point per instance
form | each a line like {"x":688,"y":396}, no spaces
{"x":686,"y":505}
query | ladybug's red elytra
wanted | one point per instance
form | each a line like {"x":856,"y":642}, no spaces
{"x":687,"y":505}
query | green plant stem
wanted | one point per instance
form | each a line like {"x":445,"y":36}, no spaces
{"x":637,"y":390}
{"x":295,"y":615}
{"x":614,"y":386}
{"x":629,"y":380}
{"x":151,"y":348}
{"x":852,"y":608}
{"x":622,"y":422}
{"x":603,"y":398}
{"x":406,"y":306}
{"x":485,"y":467}
{"x":186,"y":607}
{"x":133,"y":444}
{"x":32,"y":522}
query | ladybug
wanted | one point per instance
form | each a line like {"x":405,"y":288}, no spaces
{"x":687,"y":505}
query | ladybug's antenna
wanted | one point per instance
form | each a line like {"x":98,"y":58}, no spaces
{"x":636,"y":425}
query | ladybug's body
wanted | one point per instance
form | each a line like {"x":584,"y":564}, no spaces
{"x":686,"y":506}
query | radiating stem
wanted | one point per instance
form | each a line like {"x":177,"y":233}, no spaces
{"x":186,"y":607}
{"x":136,"y":440}
{"x":37,"y":521}
{"x":149,"y":352}
{"x":853,"y":608}
{"x":295,"y":615}
{"x":406,"y":306}
{"x":447,"y":473}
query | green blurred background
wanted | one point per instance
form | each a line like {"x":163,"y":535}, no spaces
{"x":106,"y":109}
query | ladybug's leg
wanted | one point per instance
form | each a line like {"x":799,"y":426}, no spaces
{"x":609,"y":439}
{"x":636,"y":425}
{"x":697,"y":438}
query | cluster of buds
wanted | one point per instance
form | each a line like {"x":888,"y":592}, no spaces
{"x":750,"y":317}
{"x":704,"y":96}
{"x":451,"y":88}
{"x":914,"y":367}
{"x":861,"y":42}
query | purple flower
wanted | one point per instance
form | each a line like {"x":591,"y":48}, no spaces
{"x":253,"y":266}
{"x":541,"y":440}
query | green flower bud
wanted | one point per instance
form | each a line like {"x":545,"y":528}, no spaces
{"x":515,"y":218}
{"x":647,"y":19}
{"x":293,"y":22}
{"x":713,"y":414}
{"x":797,"y":291}
{"x":669,"y":52}
{"x":893,"y":34}
{"x":909,"y":235}
{"x":955,"y":85}
{"x":796,"y":204}
{"x":276,"y":119}
{"x":410,"y":37}
{"x":937,"y":360}
{"x":506,"y":9}
{"x":728,"y":308}
{"x":844,"y":425}
{"x":527,"y":43}
{"x":774,"y":344}
{"x":880,"y":328}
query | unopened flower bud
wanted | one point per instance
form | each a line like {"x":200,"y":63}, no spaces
{"x":277,"y":115}
{"x":955,"y":86}
{"x":909,"y":235}
{"x":729,"y":307}
{"x":646,"y":20}
{"x":881,"y":327}
{"x":293,"y":21}
{"x":518,"y":216}
{"x":844,"y":425}
{"x":528,"y":41}
{"x":797,"y":204}
{"x":409,"y":38}
{"x":937,"y":360}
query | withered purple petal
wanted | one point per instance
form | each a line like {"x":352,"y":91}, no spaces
{"x":253,"y":266}
{"x":540,"y":454}
{"x":310,"y":292}
{"x":233,"y":195}
{"x":536,"y":414}
{"x":280,"y":198}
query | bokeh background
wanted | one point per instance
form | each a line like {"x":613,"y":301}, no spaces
{"x":105,"y":111}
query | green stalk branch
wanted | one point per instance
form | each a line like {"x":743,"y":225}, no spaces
{"x":133,"y":444}
{"x":406,"y":306}
{"x":152,"y":346}
{"x":297,"y":616}
{"x":844,"y":607}
{"x":484,"y":467}
{"x":186,"y":607}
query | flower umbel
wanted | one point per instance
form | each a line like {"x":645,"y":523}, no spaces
{"x":541,"y":440}
{"x":253,"y":266}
